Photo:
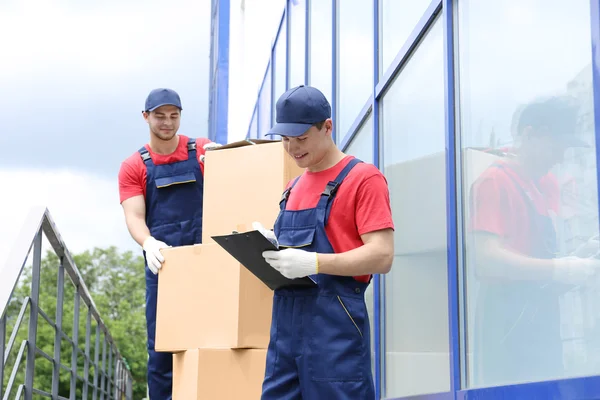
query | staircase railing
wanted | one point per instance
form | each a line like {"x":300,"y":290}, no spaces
{"x":111,"y":377}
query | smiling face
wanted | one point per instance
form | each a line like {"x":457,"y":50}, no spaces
{"x":309,"y":149}
{"x":164,"y":122}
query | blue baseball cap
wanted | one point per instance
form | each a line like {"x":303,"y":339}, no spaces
{"x":298,"y":109}
{"x":162,"y":97}
{"x":556,"y":117}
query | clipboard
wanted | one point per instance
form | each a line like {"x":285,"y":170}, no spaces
{"x":247,"y":248}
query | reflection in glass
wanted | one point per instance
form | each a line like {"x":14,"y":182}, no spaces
{"x":320,"y":47}
{"x":530,"y":193}
{"x":355,"y":70}
{"x":280,"y":64}
{"x":416,"y":291}
{"x":297,"y":10}
{"x":398,"y":19}
{"x":254,"y":126}
{"x":361,"y":147}
{"x":264,"y":104}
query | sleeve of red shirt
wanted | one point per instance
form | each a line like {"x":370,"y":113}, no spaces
{"x":200,"y":142}
{"x":130,"y":184}
{"x":486,"y":207}
{"x":373,"y":209}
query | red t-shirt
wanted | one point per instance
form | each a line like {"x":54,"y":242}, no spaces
{"x":361,"y":205}
{"x":132,"y":175}
{"x":498,"y":207}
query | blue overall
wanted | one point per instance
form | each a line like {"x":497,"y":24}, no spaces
{"x":518,"y":322}
{"x":319,"y":345}
{"x":174,"y":215}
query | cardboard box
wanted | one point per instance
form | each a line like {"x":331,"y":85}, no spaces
{"x":218,"y":374}
{"x":243,"y":182}
{"x":207,"y":299}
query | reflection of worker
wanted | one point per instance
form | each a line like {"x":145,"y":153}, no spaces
{"x":335,"y":226}
{"x":517,"y":334}
{"x":161,"y":191}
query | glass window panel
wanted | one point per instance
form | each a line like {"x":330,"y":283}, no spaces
{"x":529,"y":196}
{"x":355,"y":70}
{"x":361,"y":147}
{"x":264,"y":117}
{"x":320,"y":46}
{"x":254,"y":126}
{"x":280,"y":64}
{"x":416,"y":289}
{"x":297,"y":41}
{"x":398,"y":19}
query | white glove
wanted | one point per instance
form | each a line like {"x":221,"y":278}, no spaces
{"x":257,"y":226}
{"x":575,"y":270}
{"x":153,"y":255}
{"x":209,"y":146}
{"x":293,"y":263}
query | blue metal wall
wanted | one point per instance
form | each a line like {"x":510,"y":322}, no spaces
{"x":578,"y":388}
{"x":219,"y":72}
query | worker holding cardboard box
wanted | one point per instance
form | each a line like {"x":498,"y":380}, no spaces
{"x":161,"y":191}
{"x":335,"y":225}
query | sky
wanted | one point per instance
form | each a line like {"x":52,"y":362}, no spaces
{"x":74,"y":78}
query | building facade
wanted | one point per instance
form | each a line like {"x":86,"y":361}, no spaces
{"x":431,"y":92}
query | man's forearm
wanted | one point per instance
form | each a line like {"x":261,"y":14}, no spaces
{"x":137,"y":229}
{"x":364,"y":260}
{"x":503,"y":264}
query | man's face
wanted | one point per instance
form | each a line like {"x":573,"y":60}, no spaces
{"x":164,"y":121}
{"x":546,"y":152}
{"x":310,"y":148}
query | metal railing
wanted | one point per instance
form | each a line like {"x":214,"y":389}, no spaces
{"x":111,"y":378}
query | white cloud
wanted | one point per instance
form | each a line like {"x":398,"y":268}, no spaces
{"x":47,"y":39}
{"x":84,"y":207}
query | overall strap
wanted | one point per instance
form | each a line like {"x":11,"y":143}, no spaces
{"x":145,"y":154}
{"x":286,"y":194}
{"x":191,"y":147}
{"x":332,"y":187}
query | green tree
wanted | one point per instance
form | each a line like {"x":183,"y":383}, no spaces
{"x":116,"y":283}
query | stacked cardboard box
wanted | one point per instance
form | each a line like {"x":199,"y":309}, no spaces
{"x":212,"y":312}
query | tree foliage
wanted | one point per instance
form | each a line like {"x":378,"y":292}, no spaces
{"x":116,"y":283}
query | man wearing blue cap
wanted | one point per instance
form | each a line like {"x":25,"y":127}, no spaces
{"x":161,"y":191}
{"x":335,"y":225}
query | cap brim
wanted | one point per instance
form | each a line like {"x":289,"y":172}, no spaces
{"x":575,"y":142}
{"x":164,"y":104}
{"x":289,"y":129}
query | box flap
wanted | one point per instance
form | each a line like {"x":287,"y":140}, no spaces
{"x":245,"y":142}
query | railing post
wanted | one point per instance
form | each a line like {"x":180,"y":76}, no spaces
{"x":75,"y":350}
{"x":86,"y":360}
{"x":110,"y":371}
{"x":96,"y":362}
{"x":58,"y":331}
{"x":33,"y":314}
{"x":103,"y":369}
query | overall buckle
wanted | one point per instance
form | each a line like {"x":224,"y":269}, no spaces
{"x":330,"y":189}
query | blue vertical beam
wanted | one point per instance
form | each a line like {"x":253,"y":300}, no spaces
{"x":334,"y":64}
{"x":288,"y":40}
{"x":376,"y":279}
{"x":307,"y":44}
{"x":451,"y":196}
{"x":595,"y":20}
{"x":220,"y":91}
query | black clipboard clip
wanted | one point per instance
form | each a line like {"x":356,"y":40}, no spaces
{"x":247,"y":249}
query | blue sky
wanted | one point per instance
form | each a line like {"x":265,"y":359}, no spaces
{"x":74,"y":77}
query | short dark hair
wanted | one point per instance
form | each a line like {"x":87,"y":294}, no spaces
{"x":319,"y":125}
